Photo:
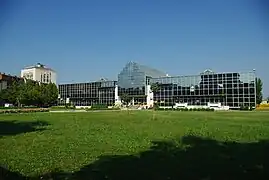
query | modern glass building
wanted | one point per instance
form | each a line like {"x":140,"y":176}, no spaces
{"x":232,"y":89}
{"x":87,"y":94}
{"x":133,"y":80}
{"x":229,"y":89}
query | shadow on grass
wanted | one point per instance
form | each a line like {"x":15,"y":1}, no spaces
{"x":5,"y":174}
{"x":191,"y":158}
{"x":8,"y":128}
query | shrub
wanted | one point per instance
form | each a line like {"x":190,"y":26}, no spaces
{"x":262,"y":108}
{"x":15,"y":107}
{"x":99,"y":106}
{"x":242,"y":108}
{"x":31,"y":110}
{"x":182,"y":109}
{"x":160,"y":109}
{"x":245,"y":108}
{"x":62,"y":107}
{"x":264,"y":105}
{"x":186,"y":109}
{"x":8,"y":107}
{"x":155,"y":106}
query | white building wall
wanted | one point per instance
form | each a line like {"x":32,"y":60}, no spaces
{"x":35,"y":74}
{"x":53,"y":77}
{"x":28,"y":73}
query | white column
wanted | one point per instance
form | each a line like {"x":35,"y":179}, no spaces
{"x":117,"y":98}
{"x":149,"y":94}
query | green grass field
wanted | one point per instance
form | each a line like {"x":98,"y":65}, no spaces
{"x":135,"y":145}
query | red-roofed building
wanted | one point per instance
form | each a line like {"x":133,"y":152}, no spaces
{"x":6,"y":80}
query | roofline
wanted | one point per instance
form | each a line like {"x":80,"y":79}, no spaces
{"x":87,"y":82}
{"x":239,"y":72}
{"x":35,"y":67}
{"x":2,"y":75}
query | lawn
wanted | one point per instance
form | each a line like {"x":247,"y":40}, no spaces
{"x":135,"y":145}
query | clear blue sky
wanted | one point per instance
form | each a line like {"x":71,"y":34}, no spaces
{"x":86,"y":40}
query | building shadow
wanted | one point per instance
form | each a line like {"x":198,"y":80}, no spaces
{"x":9,"y":128}
{"x":190,"y":158}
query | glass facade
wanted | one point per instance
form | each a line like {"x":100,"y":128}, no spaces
{"x":87,"y":94}
{"x":132,"y":80}
{"x":229,"y":89}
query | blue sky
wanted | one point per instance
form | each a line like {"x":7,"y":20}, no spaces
{"x":87,"y":40}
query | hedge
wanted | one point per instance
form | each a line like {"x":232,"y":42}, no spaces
{"x":262,"y":108}
{"x":8,"y":111}
{"x":185,"y":109}
{"x":15,"y":107}
{"x":245,"y":108}
{"x":62,"y":107}
{"x":99,"y":106}
{"x":93,"y":109}
{"x":263,"y":105}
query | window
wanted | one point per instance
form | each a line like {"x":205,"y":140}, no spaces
{"x":252,"y":90}
{"x":235,"y":91}
{"x":48,"y":78}
{"x":229,"y":91}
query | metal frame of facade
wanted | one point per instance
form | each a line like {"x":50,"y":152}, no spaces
{"x":88,"y":94}
{"x":233,"y":89}
{"x":229,"y":89}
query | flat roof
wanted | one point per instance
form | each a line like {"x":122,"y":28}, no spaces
{"x":206,"y":73}
{"x":89,"y":82}
{"x":36,"y":67}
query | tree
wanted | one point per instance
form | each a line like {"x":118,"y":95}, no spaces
{"x":30,"y":93}
{"x":155,"y":87}
{"x":3,"y":96}
{"x":13,"y":94}
{"x":125,"y":98}
{"x":45,"y":94}
{"x":52,"y":94}
{"x":259,"y":85}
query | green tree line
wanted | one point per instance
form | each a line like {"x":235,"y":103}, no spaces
{"x":30,"y":93}
{"x":259,"y":85}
